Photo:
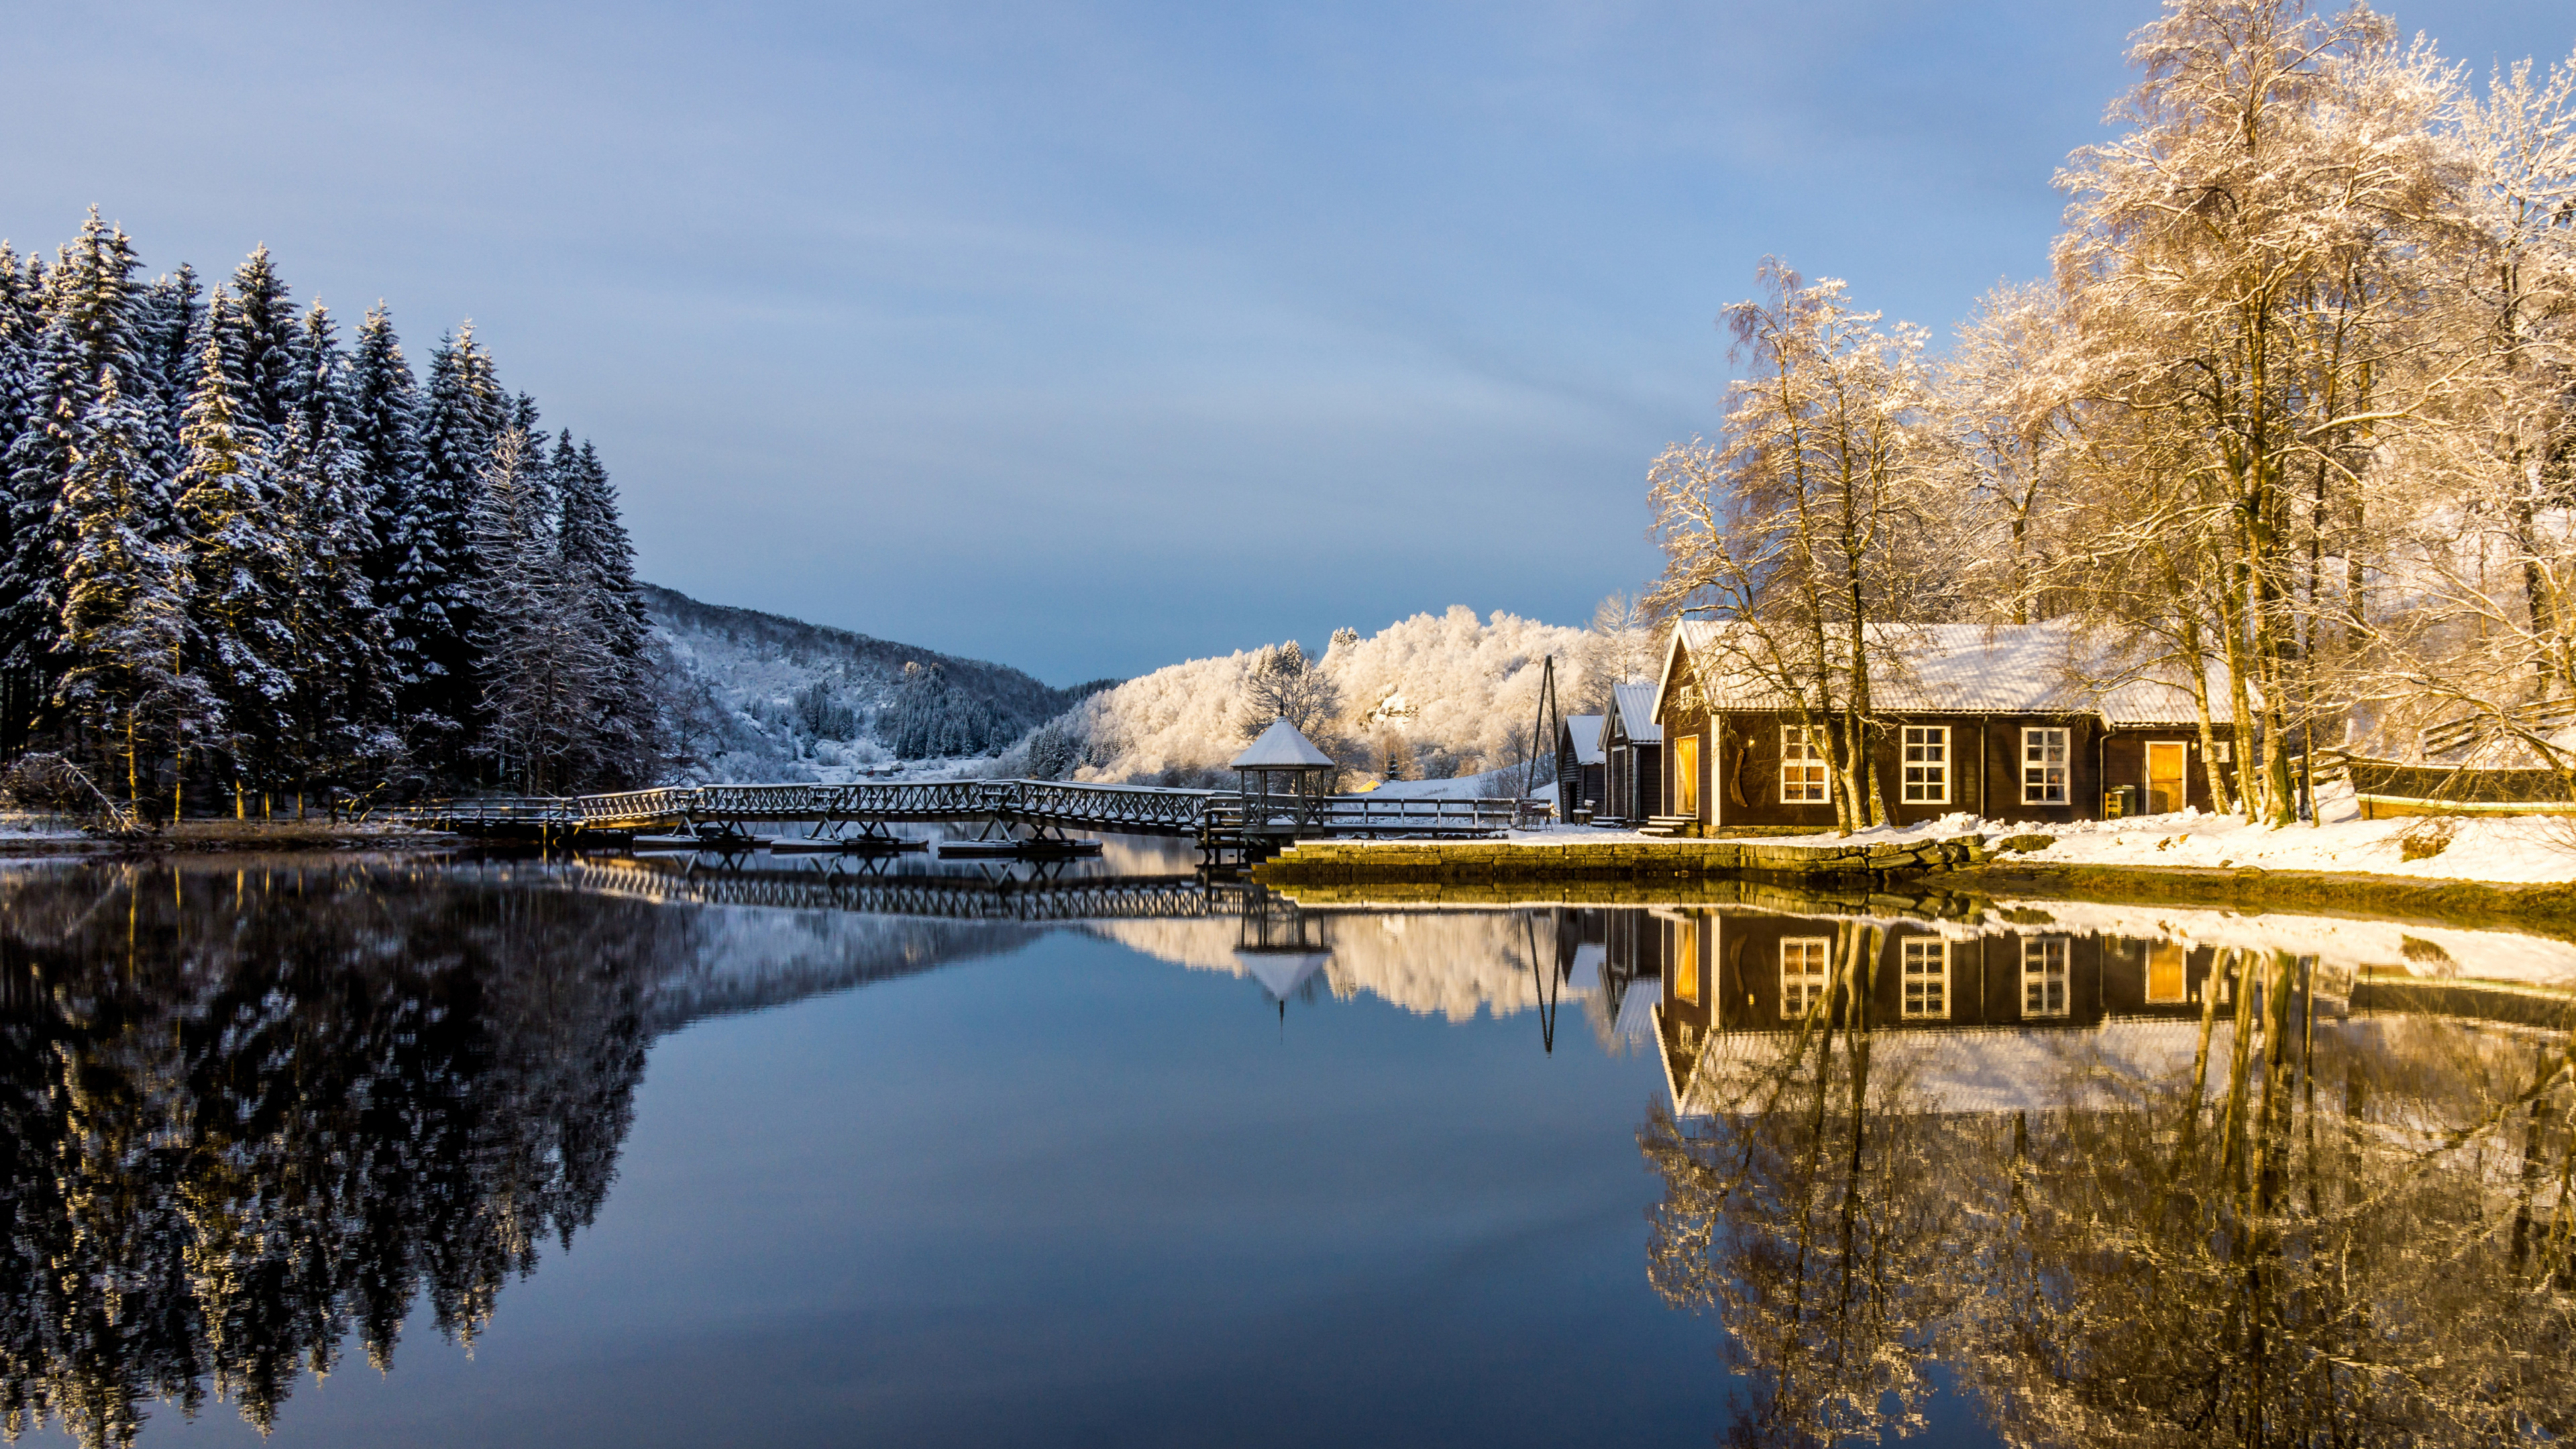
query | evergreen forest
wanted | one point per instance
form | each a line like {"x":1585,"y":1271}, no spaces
{"x":244,"y":559}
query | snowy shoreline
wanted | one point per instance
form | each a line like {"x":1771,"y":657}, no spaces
{"x":2491,"y":850}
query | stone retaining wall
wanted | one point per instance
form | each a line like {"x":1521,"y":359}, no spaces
{"x":1325,"y":862}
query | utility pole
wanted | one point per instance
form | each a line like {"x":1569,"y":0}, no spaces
{"x":1544,"y":729}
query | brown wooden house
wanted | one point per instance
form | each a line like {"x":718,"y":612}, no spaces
{"x":2007,"y":722}
{"x":1735,"y":982}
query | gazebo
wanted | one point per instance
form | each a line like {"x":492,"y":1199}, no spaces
{"x":1284,"y":781}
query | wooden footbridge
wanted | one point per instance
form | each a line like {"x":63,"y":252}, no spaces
{"x":937,"y":897}
{"x":1225,"y":824}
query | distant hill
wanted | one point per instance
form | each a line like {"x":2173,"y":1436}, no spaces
{"x":771,"y":697}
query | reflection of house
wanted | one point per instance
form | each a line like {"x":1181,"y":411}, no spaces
{"x":2004,"y":721}
{"x":1578,"y":765}
{"x":1735,"y":973}
{"x":1632,"y":749}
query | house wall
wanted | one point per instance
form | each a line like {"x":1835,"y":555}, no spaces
{"x":1740,"y":986}
{"x":1632,"y":785}
{"x":1741,"y":759}
{"x":2125,"y":760}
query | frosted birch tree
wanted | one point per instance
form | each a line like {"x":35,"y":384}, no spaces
{"x":1812,"y":519}
{"x":2250,"y":276}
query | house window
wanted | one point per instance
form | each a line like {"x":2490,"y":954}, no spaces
{"x":2044,"y":754}
{"x":2043,"y":976}
{"x":1927,"y":764}
{"x":1805,"y":962}
{"x":1927,"y":979}
{"x":1802,"y":766}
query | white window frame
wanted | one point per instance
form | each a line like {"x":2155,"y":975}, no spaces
{"x":1806,"y":972}
{"x":1925,"y":777}
{"x":1806,"y":778}
{"x":1924,"y":968}
{"x":2046,"y":781}
{"x":2047,"y":975}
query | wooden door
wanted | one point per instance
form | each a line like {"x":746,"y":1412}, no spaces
{"x":1686,"y":776}
{"x":2167,"y":789}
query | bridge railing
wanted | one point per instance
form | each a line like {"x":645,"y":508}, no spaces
{"x":665,"y":803}
{"x":1059,"y":802}
{"x":1105,"y":806}
{"x":489,"y":810}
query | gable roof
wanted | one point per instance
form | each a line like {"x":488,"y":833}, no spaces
{"x":1585,"y":730}
{"x":2045,"y":668}
{"x":1281,"y":747}
{"x":1635,"y":706}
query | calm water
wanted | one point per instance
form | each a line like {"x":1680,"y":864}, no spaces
{"x":631,"y":1153}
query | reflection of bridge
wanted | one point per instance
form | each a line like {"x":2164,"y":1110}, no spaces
{"x":1220,"y":821}
{"x":953,"y":898}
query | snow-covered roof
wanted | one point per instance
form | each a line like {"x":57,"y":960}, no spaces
{"x":2046,"y":668}
{"x":1637,"y":1005}
{"x":1281,"y":747}
{"x":1586,"y":732}
{"x":1964,"y":1069}
{"x":1636,"y":706}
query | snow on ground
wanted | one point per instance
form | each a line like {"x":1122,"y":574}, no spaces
{"x":30,"y":825}
{"x":2508,"y":850}
{"x":2504,"y":850}
{"x":2447,"y":953}
{"x":1502,"y":784}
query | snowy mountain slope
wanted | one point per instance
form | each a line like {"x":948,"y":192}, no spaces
{"x":1438,"y":695}
{"x":773,"y":698}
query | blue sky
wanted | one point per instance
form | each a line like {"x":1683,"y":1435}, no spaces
{"x":1087,"y":337}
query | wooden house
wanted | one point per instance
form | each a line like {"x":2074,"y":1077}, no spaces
{"x":1632,"y":749}
{"x":2028,"y":722}
{"x":1733,"y":984}
{"x":1578,"y":766}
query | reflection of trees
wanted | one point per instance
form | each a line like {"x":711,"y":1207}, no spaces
{"x":2323,"y":1233}
{"x":244,"y":1117}
{"x":1804,"y":1217}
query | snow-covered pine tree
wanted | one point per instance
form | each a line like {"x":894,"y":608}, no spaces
{"x":170,"y":322}
{"x":384,"y":436}
{"x":242,"y":601}
{"x":124,"y":626}
{"x":342,"y":705}
{"x":88,"y":304}
{"x":438,"y":582}
{"x":545,"y":669}
{"x":542,"y":468}
{"x":263,"y":342}
{"x":599,"y":565}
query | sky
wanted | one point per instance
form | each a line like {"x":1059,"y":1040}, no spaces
{"x":1087,"y":337}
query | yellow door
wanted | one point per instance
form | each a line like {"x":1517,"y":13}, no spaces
{"x":2166,"y":789}
{"x":2167,"y":970}
{"x":1686,"y":776}
{"x":1686,"y":959}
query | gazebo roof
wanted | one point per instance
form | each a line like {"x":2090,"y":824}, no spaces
{"x":1281,"y":747}
{"x":1282,"y":972}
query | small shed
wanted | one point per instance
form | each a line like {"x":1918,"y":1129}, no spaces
{"x":1633,"y":744}
{"x":1579,"y":762}
{"x":1284,"y":781}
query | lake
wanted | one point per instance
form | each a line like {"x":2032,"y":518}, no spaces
{"x":686,"y":1151}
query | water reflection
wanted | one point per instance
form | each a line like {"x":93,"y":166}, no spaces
{"x":2126,"y":1186}
{"x":2112,"y":1175}
{"x":249,"y":1116}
